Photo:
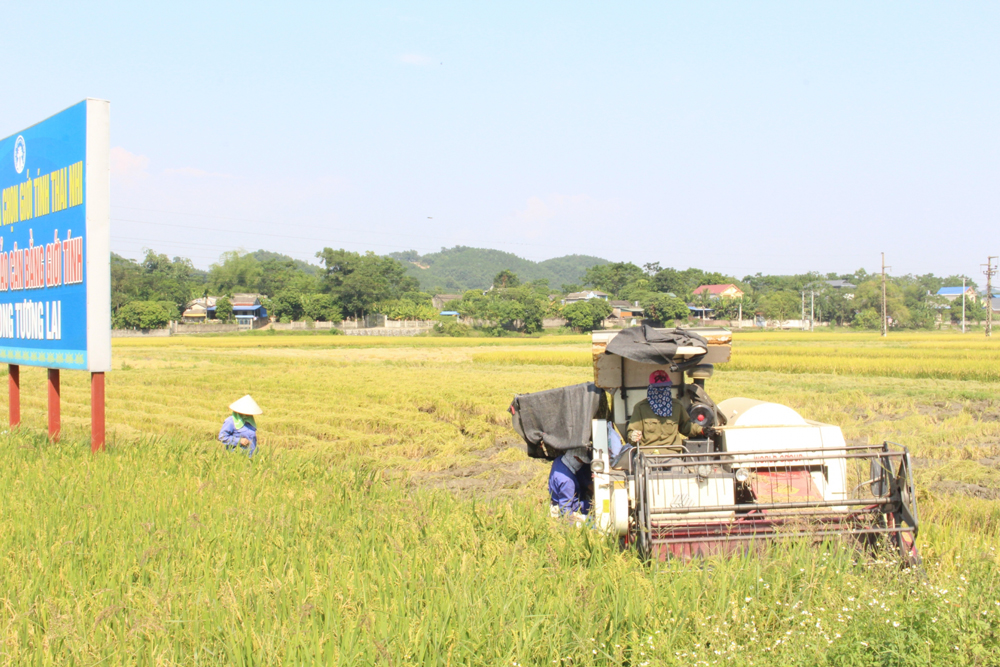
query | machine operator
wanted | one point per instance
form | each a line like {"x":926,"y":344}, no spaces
{"x":660,"y":420}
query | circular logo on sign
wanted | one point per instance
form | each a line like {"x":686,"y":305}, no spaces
{"x":20,"y":154}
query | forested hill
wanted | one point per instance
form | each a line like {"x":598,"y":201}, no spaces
{"x":462,"y":268}
{"x":263,"y":256}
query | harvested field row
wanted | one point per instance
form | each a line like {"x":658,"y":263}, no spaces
{"x":914,"y":356}
{"x":311,"y":340}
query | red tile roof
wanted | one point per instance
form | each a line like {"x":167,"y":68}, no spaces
{"x":716,"y":289}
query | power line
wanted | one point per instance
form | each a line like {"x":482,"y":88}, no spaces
{"x":185,"y":245}
{"x":244,"y":232}
{"x":428,"y":237}
{"x":365,"y":244}
{"x":325,"y":229}
{"x":179,"y":244}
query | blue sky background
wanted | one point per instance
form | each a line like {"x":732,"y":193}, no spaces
{"x":739,"y":137}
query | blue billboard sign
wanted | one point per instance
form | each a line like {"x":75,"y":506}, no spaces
{"x":55,"y":276}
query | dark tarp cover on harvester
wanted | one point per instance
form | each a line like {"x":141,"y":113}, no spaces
{"x":649,"y":345}
{"x":555,"y":420}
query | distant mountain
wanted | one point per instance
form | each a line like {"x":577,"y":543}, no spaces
{"x":461,"y":268}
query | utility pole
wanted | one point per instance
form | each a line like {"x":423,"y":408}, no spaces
{"x":963,"y":304}
{"x":812,"y":310}
{"x":990,"y":272}
{"x":885,"y":320}
{"x":802,"y":316}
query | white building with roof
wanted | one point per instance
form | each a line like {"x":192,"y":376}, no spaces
{"x":587,"y":295}
{"x":952,"y":293}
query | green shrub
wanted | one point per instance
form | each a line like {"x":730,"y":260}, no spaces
{"x":587,"y":315}
{"x":664,"y":307}
{"x":453,"y":329}
{"x":142,"y":315}
{"x":868,"y":318}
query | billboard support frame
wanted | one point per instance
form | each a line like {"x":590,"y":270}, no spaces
{"x":96,"y":412}
{"x":53,"y":392}
{"x":14,"y":394}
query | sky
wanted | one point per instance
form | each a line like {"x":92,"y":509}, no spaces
{"x":730,"y":136}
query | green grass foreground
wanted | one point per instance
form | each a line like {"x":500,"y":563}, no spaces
{"x":171,"y":553}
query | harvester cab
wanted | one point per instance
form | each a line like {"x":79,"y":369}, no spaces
{"x":761,"y":472}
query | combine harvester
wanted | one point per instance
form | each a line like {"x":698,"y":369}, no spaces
{"x":761,"y":472}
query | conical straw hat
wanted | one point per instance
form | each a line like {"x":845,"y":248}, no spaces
{"x":246,"y":406}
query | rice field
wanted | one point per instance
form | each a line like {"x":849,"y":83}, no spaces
{"x":535,"y":358}
{"x":902,"y":355}
{"x":391,"y":519}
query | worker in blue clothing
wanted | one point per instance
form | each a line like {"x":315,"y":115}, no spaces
{"x":570,"y":482}
{"x":239,"y":431}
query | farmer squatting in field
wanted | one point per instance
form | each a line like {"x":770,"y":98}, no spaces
{"x":570,"y":481}
{"x":239,"y":431}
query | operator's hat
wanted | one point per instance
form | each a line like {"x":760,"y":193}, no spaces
{"x":660,"y":379}
{"x":246,"y":406}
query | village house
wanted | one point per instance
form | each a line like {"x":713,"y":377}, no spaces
{"x":728,"y":291}
{"x":574,"y":297}
{"x":700,"y":312}
{"x":952,"y":293}
{"x":197,"y":310}
{"x":625,"y":309}
{"x":247,"y":309}
{"x":439,"y":300}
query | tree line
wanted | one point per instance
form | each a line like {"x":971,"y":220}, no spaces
{"x":912,"y":301}
{"x":149,"y":293}
{"x":344,"y":284}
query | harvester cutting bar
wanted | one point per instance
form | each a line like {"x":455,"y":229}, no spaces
{"x":752,"y":507}
{"x":740,"y":537}
{"x":767,"y":521}
{"x":852,"y":452}
{"x":817,"y":516}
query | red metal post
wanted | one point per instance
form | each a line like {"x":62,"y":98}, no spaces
{"x":96,"y":412}
{"x":14,"y":387}
{"x":54,"y":404}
